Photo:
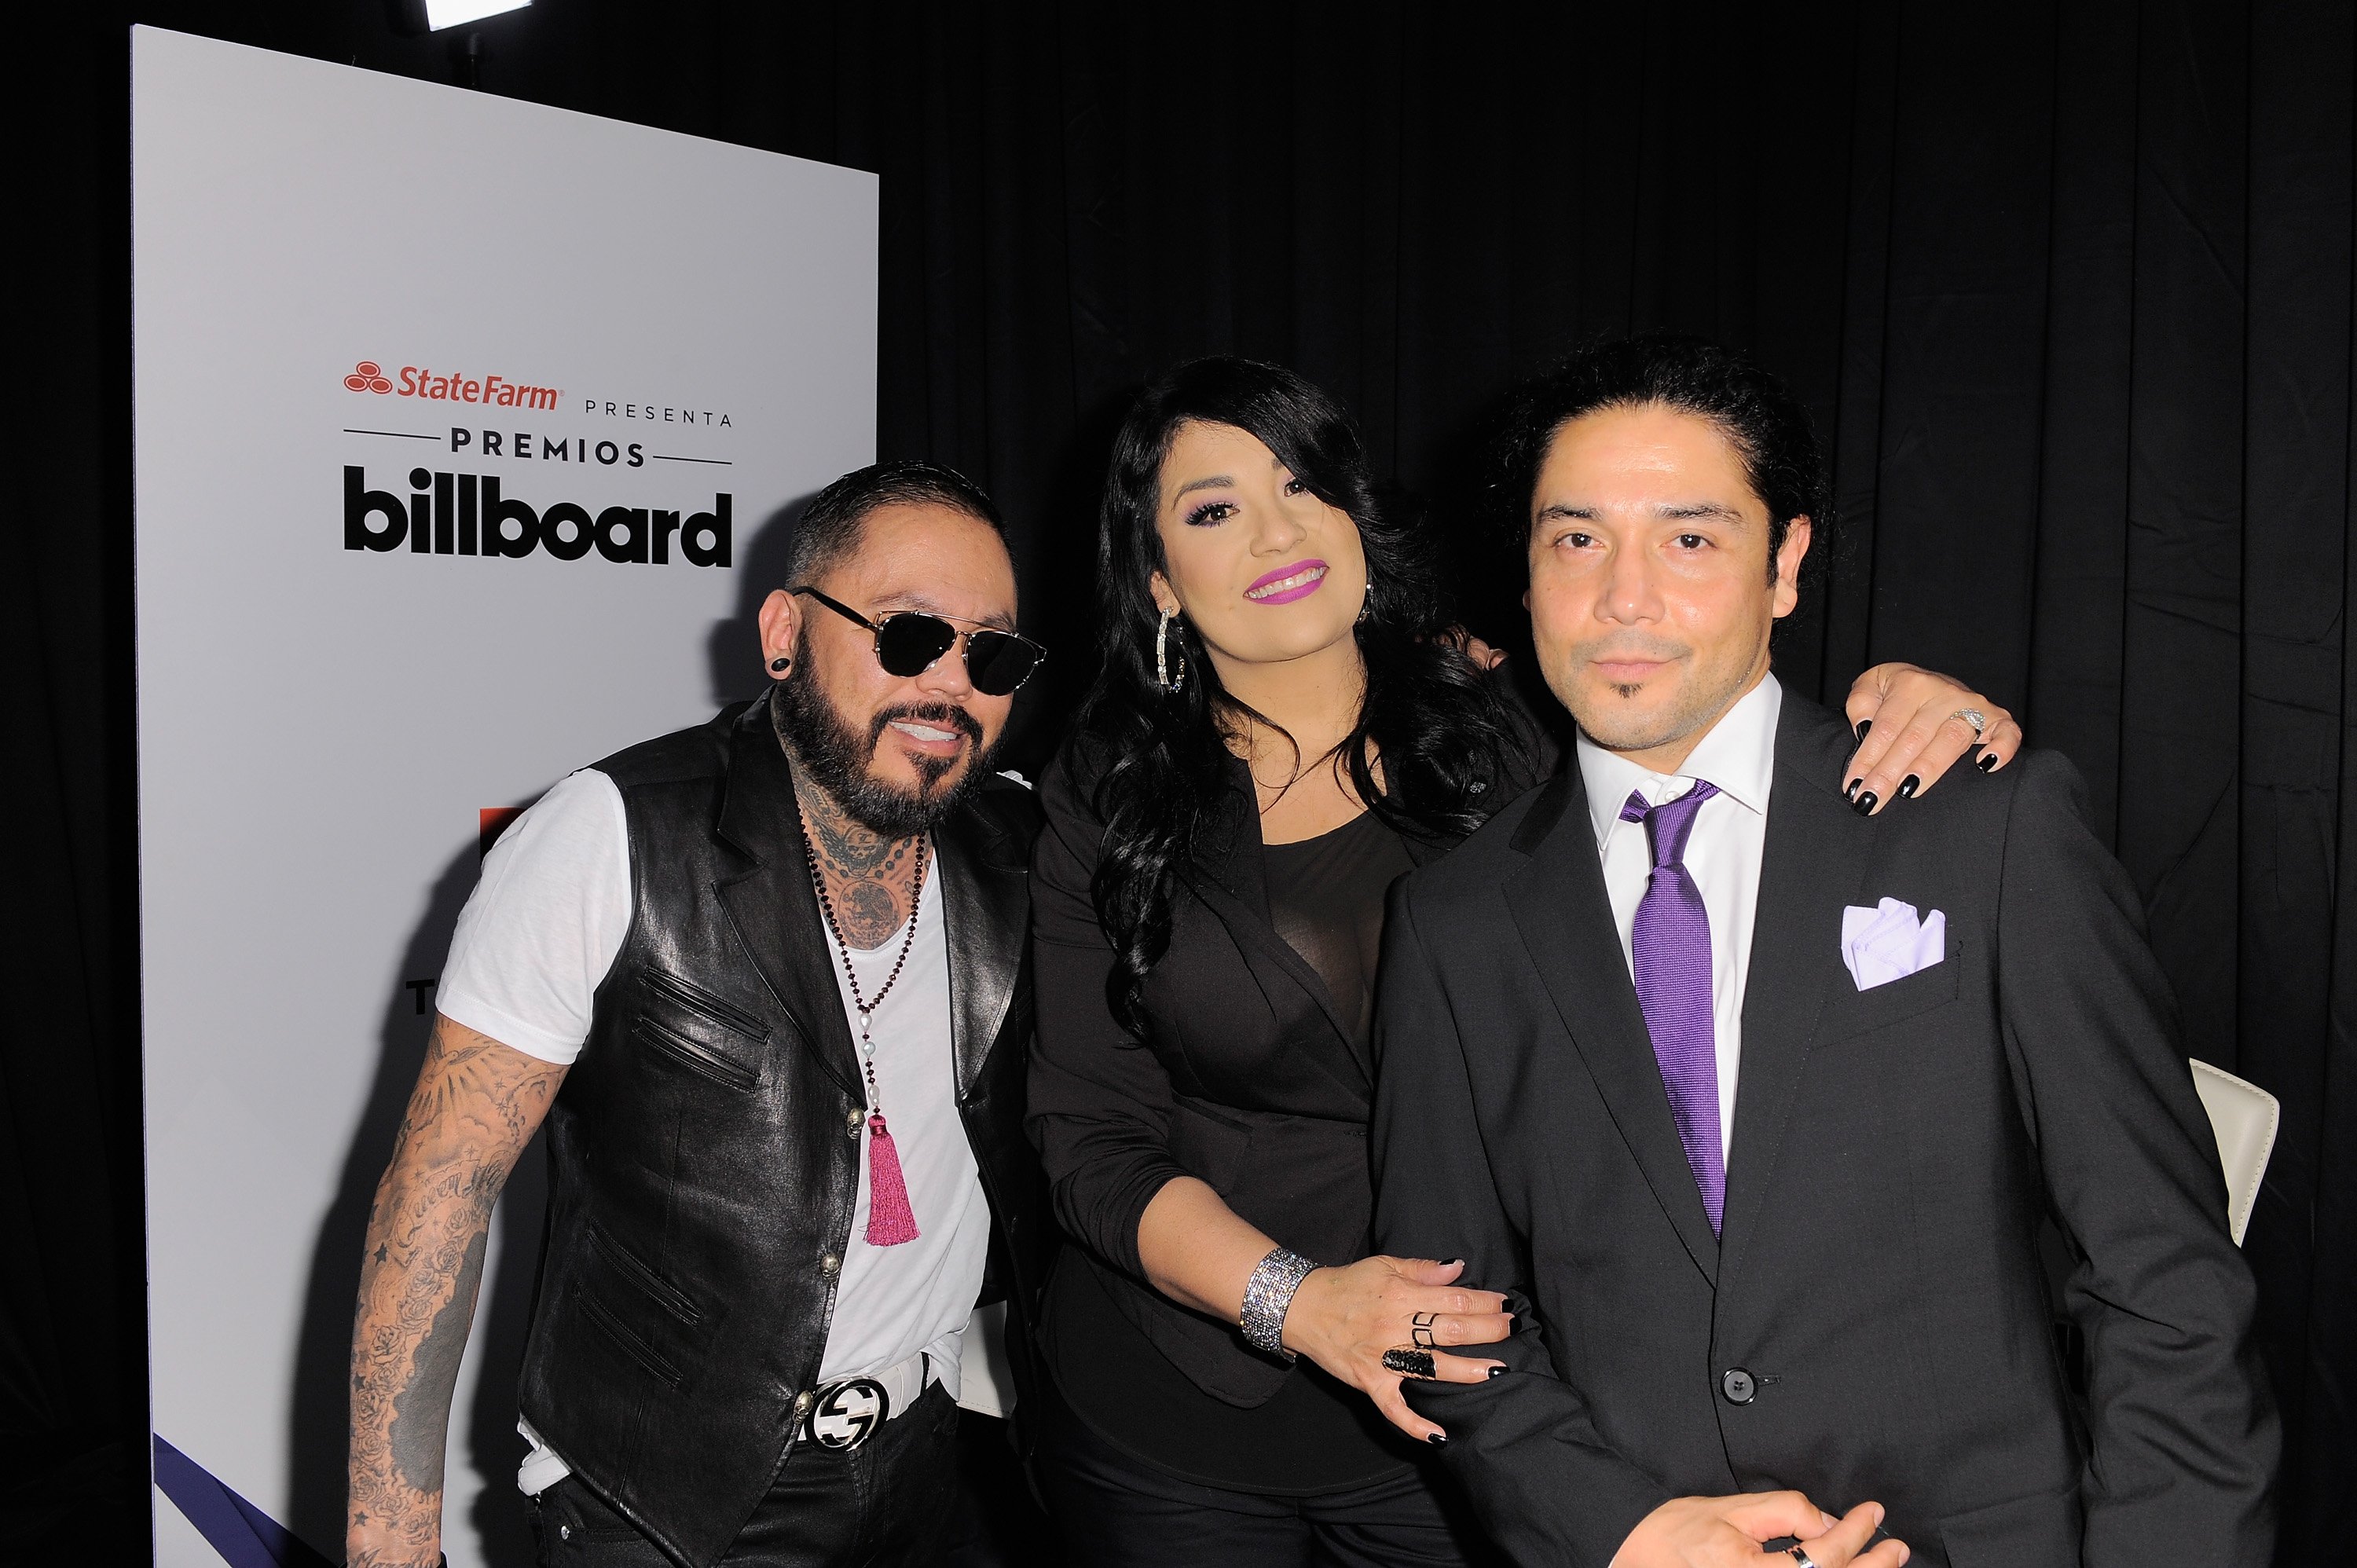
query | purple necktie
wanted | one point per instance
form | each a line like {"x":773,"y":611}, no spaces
{"x":1670,"y":949}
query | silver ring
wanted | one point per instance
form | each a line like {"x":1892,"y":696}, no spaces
{"x":1979,"y":721}
{"x":1800,"y":1555}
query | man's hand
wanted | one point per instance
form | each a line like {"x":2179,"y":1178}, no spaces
{"x":476,"y":1105}
{"x":1483,"y":656}
{"x":1726,"y":1532}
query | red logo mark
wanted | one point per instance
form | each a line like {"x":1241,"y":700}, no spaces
{"x":492,"y":821}
{"x":367,"y":376}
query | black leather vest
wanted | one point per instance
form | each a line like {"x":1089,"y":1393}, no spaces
{"x":704,"y":1151}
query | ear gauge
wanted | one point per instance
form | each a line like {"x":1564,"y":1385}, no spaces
{"x":780,"y":664}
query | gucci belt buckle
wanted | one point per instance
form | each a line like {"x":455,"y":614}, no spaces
{"x":847,"y":1413}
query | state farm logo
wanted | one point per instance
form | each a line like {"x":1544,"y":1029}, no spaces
{"x":454,"y":386}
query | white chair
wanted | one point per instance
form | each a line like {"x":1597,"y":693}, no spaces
{"x":2244,"y":1118}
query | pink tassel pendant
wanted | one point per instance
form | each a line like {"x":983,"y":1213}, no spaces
{"x":890,"y":1220}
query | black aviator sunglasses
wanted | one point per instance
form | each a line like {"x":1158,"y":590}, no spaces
{"x":910,"y":642}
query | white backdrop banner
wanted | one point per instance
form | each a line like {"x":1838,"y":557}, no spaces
{"x":463,"y":425}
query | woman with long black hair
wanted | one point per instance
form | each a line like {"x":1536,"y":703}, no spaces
{"x":1280,"y":728}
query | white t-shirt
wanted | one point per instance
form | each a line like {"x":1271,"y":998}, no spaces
{"x":1722,"y":855}
{"x":537,"y":938}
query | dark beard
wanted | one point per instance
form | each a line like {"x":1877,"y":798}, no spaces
{"x":836,"y":758}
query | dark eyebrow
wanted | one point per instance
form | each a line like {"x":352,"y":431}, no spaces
{"x":1688,"y":510}
{"x":919,"y":602}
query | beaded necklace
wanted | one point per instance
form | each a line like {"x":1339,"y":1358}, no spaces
{"x":890,"y":1218}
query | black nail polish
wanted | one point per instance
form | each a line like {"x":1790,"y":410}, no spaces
{"x":1987,"y":764}
{"x":1851,"y":793}
{"x":1864,"y":725}
{"x":1497,"y":1372}
{"x":1907,"y":788}
{"x":1865,"y":804}
{"x":1437,"y":1439}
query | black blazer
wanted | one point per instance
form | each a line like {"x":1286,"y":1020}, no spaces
{"x":1875,"y":1322}
{"x":1246,"y":1078}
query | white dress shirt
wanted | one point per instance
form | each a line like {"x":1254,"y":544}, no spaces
{"x":1722,"y":855}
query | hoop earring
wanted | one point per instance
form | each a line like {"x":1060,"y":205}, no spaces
{"x":1162,"y":658}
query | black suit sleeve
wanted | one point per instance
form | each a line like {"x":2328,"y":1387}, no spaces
{"x":2184,"y":1441}
{"x":1548,"y":1487}
{"x":1100,"y":1101}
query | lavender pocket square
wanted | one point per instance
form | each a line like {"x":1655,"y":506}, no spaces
{"x":1890,"y":941}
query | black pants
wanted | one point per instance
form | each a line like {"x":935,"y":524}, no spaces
{"x":1117,"y":1511}
{"x":884,"y":1504}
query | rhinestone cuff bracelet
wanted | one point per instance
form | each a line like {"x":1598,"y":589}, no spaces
{"x":1267,"y":1294}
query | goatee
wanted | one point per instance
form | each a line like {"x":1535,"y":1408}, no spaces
{"x":837,"y":757}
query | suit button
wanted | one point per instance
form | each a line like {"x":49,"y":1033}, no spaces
{"x":830,"y":1265}
{"x":1738,"y":1385}
{"x":853,"y":1120}
{"x":803,"y":1401}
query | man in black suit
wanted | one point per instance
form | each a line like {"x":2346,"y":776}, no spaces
{"x":1753,"y":1099}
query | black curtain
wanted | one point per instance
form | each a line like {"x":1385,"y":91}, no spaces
{"x":2069,"y":286}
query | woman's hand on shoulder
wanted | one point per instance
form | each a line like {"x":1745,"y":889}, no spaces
{"x":1913,"y":732}
{"x":1345,"y":1318}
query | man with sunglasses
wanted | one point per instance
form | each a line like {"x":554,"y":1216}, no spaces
{"x":764,"y":980}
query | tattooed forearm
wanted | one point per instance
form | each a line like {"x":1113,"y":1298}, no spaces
{"x":421,"y":1413}
{"x":476,"y":1105}
{"x":870,"y":878}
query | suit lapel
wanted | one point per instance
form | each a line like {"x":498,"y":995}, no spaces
{"x":1230,"y":880}
{"x":1559,"y":904}
{"x":1813,"y":864}
{"x":985,"y":902}
{"x":772,"y":907}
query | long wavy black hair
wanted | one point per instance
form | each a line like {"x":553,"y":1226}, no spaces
{"x":1159,"y":759}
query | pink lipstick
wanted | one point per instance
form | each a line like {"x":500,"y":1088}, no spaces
{"x":1287,"y":584}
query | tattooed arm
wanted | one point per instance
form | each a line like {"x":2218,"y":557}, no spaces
{"x":475,"y":1106}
